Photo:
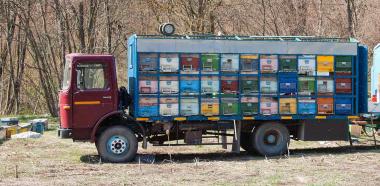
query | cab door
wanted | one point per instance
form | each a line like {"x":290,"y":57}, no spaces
{"x":93,"y":95}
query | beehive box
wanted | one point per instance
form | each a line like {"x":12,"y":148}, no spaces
{"x":209,"y":84}
{"x":189,"y":85}
{"x":27,"y":126}
{"x":249,"y":85}
{"x":190,"y":63}
{"x":38,"y":127}
{"x":249,"y":105}
{"x":288,"y":106}
{"x":230,"y":84}
{"x":325,"y":105}
{"x":230,"y":106}
{"x":343,"y":106}
{"x":43,"y":120}
{"x":306,"y":65}
{"x":3,"y":133}
{"x":343,"y":86}
{"x":288,"y":85}
{"x":288,"y":63}
{"x":148,"y":107}
{"x":268,"y":106}
{"x":189,"y":106}
{"x":210,"y":63}
{"x":148,"y":62}
{"x":268,"y":63}
{"x":9,"y":121}
{"x":343,"y":65}
{"x":210,"y":106}
{"x":306,"y":85}
{"x":325,"y":65}
{"x":168,"y":84}
{"x":325,"y":86}
{"x":249,"y":64}
{"x":230,"y":63}
{"x":306,"y":106}
{"x":148,"y":85}
{"x":268,"y":85}
{"x":169,"y":62}
{"x":10,"y":130}
{"x":168,"y":106}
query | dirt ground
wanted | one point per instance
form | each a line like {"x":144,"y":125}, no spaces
{"x":53,"y":161}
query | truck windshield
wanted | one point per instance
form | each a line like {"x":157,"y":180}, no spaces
{"x":66,"y":75}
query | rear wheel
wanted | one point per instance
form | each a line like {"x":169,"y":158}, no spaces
{"x":117,"y":144}
{"x":270,"y":139}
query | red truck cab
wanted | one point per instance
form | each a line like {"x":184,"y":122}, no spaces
{"x":89,"y":90}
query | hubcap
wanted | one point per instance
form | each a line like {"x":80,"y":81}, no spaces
{"x":117,"y":144}
{"x":271,"y":137}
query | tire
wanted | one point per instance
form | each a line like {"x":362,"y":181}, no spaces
{"x":117,"y":144}
{"x":246,"y":143}
{"x":270,"y":139}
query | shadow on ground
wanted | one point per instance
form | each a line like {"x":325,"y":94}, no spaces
{"x":243,"y":156}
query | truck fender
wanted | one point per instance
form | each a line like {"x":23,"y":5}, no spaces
{"x":93,"y":133}
{"x":114,"y":113}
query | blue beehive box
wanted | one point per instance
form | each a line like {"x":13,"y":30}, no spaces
{"x":38,"y":127}
{"x":288,"y":84}
{"x":148,"y":107}
{"x":306,"y":106}
{"x":9,"y":121}
{"x":189,"y":85}
{"x":343,"y":106}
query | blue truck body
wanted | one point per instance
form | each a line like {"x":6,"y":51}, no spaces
{"x":345,"y":105}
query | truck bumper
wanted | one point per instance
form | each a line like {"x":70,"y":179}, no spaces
{"x":65,"y":133}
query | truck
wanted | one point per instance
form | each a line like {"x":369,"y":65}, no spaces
{"x":261,"y":91}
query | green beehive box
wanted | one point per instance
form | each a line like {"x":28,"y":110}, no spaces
{"x":306,"y":85}
{"x":249,"y":85}
{"x":343,"y":64}
{"x":210,"y":62}
{"x":288,"y":63}
{"x":249,"y":108}
{"x":230,"y":106}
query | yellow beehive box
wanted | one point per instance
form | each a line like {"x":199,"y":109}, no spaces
{"x":210,"y":107}
{"x":11,"y":130}
{"x":288,"y":106}
{"x":24,"y":127}
{"x":325,"y":63}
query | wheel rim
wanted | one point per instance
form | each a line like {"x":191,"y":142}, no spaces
{"x":271,"y":137}
{"x":117,"y":145}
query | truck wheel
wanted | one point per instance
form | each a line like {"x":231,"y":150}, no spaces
{"x":270,"y":139}
{"x":246,"y":143}
{"x":117,"y":144}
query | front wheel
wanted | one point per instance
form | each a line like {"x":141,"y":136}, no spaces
{"x":117,"y":144}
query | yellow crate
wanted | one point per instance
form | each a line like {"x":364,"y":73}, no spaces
{"x":210,"y":109}
{"x":325,"y":63}
{"x":11,"y":130}
{"x":24,"y":128}
{"x":288,"y":106}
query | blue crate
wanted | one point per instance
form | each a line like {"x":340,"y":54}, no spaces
{"x":148,"y":111}
{"x":306,"y":107}
{"x":189,"y":86}
{"x":9,"y":121}
{"x":288,"y":84}
{"x":343,"y":106}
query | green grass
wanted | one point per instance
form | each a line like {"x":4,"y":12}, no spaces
{"x":26,"y":118}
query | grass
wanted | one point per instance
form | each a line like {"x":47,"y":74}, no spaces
{"x":49,"y":160}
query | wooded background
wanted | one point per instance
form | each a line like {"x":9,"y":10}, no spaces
{"x":35,"y":35}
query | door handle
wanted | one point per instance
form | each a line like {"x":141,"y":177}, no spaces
{"x":107,"y":97}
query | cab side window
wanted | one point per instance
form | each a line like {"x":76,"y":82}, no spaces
{"x":91,"y":76}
